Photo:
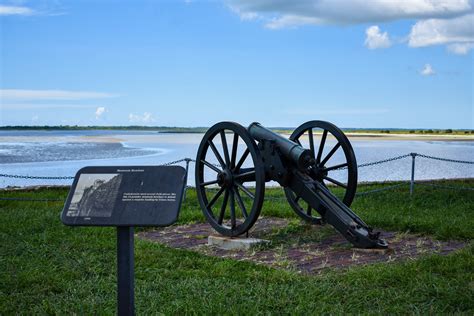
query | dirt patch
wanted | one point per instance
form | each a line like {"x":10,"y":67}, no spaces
{"x":300,"y":247}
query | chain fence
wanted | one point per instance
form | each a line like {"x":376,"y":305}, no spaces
{"x":16,"y":176}
{"x":187,"y":162}
{"x":443,"y":159}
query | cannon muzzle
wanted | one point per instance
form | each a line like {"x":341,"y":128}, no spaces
{"x":300,"y":157}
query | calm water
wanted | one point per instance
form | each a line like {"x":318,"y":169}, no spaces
{"x":62,"y":153}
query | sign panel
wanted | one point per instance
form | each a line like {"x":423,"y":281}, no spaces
{"x":125,"y":196}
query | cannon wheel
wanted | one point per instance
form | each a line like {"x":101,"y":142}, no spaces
{"x":323,"y":167}
{"x":223,"y":185}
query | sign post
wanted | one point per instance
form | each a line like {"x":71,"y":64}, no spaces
{"x":125,"y":271}
{"x":125,"y":197}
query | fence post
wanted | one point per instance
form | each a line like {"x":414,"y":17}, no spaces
{"x":188,"y":160}
{"x":412,"y":182}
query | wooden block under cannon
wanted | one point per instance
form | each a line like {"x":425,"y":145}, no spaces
{"x":229,"y":243}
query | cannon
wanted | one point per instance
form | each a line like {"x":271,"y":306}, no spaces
{"x":233,"y":164}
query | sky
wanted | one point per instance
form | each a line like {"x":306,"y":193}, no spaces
{"x":356,"y":63}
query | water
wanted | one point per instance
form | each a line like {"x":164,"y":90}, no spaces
{"x":62,"y":153}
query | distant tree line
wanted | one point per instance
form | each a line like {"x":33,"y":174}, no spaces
{"x":428,"y":131}
{"x":174,"y":129}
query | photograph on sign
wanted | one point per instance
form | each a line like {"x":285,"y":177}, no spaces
{"x":95,"y":195}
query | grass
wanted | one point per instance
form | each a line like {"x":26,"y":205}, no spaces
{"x":48,"y":268}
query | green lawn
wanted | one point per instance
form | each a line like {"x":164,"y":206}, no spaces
{"x":46,"y":267}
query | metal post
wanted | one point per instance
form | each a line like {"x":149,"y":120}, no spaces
{"x":188,"y":160}
{"x":125,"y":271}
{"x":412,"y":182}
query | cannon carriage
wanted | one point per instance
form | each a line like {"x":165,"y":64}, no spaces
{"x":233,"y":164}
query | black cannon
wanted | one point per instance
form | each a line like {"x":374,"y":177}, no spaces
{"x":233,"y":163}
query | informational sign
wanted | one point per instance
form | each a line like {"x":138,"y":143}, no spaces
{"x":125,"y":196}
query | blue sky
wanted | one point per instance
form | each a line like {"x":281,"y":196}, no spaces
{"x":194,"y":63}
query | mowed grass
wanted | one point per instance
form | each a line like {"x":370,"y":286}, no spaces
{"x":46,"y":267}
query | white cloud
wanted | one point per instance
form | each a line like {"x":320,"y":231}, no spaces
{"x":427,"y":70}
{"x":15,"y":10}
{"x":248,"y":16}
{"x":440,"y":22}
{"x":283,"y":13}
{"x":375,"y":39}
{"x":99,"y":112}
{"x":244,"y":16}
{"x":437,"y":31}
{"x":18,"y":94}
{"x":291,"y":21}
{"x":460,"y":49}
{"x":147,"y":117}
{"x":35,"y":118}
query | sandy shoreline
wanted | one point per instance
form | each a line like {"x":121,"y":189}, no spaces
{"x":195,"y":137}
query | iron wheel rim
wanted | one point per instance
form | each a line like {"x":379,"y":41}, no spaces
{"x":229,"y":180}
{"x":322,"y":173}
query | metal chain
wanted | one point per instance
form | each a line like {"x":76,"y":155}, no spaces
{"x":175,"y":162}
{"x":34,"y":177}
{"x":445,"y":159}
{"x":377,"y":162}
{"x":383,"y":161}
{"x":3,"y":175}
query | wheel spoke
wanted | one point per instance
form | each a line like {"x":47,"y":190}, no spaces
{"x":209,"y":183}
{"x":210,"y":165}
{"x":336,"y":167}
{"x":235,"y":143}
{"x":240,"y":202}
{"x":245,"y":174}
{"x":242,"y":159}
{"x":226,"y":149}
{"x":333,"y":150}
{"x":297,"y":198}
{"x":223,"y":207}
{"x":216,"y":153}
{"x":308,"y":210}
{"x":232,"y":209}
{"x":311,"y":141}
{"x":214,"y":199}
{"x":246,"y":191}
{"x":336,"y":182}
{"x":321,"y":146}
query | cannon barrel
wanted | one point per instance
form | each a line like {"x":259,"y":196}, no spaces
{"x":293,"y":152}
